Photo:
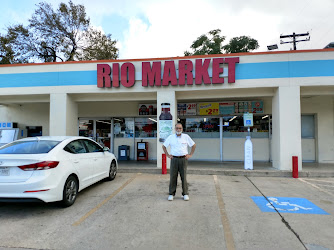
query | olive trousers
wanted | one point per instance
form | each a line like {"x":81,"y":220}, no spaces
{"x":178,"y":165}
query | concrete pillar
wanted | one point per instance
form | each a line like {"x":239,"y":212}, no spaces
{"x":63,"y":115}
{"x":286,"y":127}
{"x":163,"y":97}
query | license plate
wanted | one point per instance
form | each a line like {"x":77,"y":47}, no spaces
{"x":4,"y":171}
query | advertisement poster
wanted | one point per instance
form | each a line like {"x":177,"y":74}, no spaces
{"x":184,"y":109}
{"x":147,"y":109}
{"x":165,"y":122}
{"x":257,"y":107}
{"x":191,"y":109}
{"x":181,"y":109}
{"x":226,"y":108}
{"x":209,"y":108}
{"x":165,"y":129}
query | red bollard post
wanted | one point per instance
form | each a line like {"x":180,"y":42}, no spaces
{"x":164,"y":164}
{"x":295,"y":166}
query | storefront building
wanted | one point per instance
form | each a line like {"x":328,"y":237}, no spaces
{"x":291,"y":96}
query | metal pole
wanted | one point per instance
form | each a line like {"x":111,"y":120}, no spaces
{"x":221,"y":137}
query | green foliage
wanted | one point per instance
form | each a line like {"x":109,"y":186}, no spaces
{"x":98,"y":46}
{"x":205,"y":45}
{"x":241,"y":44}
{"x":52,"y":35}
{"x":212,"y":44}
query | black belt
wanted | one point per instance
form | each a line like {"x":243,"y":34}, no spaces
{"x":183,"y":156}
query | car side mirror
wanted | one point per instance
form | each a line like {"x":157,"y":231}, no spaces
{"x":105,"y":149}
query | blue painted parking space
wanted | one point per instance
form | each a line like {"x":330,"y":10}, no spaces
{"x":287,"y":205}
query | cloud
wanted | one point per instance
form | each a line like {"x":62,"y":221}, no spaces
{"x":166,"y":28}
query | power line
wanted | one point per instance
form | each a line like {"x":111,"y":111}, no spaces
{"x":294,"y":41}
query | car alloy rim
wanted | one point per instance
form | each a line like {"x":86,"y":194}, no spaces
{"x":113,"y":169}
{"x":71,"y":190}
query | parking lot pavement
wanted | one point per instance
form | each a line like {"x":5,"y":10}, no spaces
{"x":132,"y":212}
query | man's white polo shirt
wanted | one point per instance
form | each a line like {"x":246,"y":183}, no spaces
{"x":179,"y":144}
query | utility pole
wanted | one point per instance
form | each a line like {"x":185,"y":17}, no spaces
{"x":294,"y":41}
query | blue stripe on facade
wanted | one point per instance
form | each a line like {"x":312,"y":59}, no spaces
{"x":244,"y":71}
{"x":284,"y":69}
{"x":70,"y":78}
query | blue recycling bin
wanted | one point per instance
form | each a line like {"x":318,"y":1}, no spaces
{"x":123,"y":153}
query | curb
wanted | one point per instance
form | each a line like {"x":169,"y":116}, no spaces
{"x":248,"y":173}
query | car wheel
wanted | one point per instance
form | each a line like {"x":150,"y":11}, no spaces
{"x":112,"y":171}
{"x":70,"y":191}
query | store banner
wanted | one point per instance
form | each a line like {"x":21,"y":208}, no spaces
{"x":209,"y":108}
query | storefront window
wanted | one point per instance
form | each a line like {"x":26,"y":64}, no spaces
{"x":103,"y":128}
{"x":145,"y":127}
{"x":233,"y":126}
{"x":86,"y":128}
{"x":123,"y":127}
{"x":201,"y":127}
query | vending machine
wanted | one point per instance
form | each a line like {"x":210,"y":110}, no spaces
{"x":142,"y":151}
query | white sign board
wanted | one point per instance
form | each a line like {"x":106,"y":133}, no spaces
{"x":248,"y":120}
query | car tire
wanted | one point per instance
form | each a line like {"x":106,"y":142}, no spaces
{"x":112,"y":171}
{"x":70,"y":191}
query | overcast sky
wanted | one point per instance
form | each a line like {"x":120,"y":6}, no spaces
{"x":166,"y":28}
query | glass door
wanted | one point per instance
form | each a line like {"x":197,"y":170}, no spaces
{"x":103,"y":132}
{"x":97,"y":129}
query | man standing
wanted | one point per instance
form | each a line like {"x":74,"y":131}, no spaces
{"x":179,"y":159}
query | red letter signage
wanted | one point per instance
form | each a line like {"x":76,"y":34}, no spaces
{"x":127,"y":75}
{"x":103,"y":76}
{"x":151,"y":76}
{"x":169,"y":74}
{"x":216,"y":70}
{"x":151,"y":73}
{"x":231,"y":68}
{"x":185,"y":69}
{"x":202,"y":71}
{"x":115,"y":75}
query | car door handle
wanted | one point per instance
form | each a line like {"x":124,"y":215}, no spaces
{"x":95,"y":159}
{"x":76,"y":161}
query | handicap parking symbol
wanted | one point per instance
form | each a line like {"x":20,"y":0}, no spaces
{"x":287,"y":205}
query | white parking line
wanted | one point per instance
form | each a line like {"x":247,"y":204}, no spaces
{"x":77,"y":223}
{"x":315,"y":186}
{"x":319,"y":180}
{"x":325,"y":185}
{"x":226,"y":225}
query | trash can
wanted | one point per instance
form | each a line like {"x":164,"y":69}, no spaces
{"x":123,"y":153}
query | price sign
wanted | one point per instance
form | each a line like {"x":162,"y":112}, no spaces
{"x":209,"y":108}
{"x":191,"y":109}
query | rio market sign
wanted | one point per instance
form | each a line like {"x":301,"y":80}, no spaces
{"x":114,"y":76}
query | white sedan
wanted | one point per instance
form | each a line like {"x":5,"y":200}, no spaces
{"x":52,"y":168}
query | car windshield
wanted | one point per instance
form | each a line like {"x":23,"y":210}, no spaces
{"x":28,"y":147}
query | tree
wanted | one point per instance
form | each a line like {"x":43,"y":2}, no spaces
{"x":205,"y":45}
{"x":241,"y":44}
{"x":98,"y":46}
{"x":6,"y":52}
{"x":212,"y":44}
{"x":64,"y":34}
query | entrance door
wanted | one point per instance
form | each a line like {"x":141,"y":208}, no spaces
{"x":103,"y":132}
{"x":308,"y":138}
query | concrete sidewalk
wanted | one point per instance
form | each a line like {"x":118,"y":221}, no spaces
{"x":261,"y":169}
